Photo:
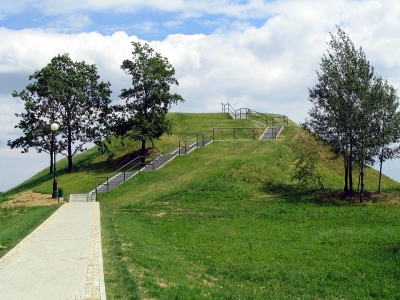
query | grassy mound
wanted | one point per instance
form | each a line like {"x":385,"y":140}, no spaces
{"x":228,"y":222}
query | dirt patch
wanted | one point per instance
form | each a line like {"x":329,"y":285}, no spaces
{"x":30,"y":198}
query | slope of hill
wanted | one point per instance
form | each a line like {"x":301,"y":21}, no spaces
{"x":227,"y":222}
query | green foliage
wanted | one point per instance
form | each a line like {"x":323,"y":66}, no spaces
{"x":143,"y":117}
{"x":306,"y":159}
{"x":69,"y":94}
{"x":227,"y":221}
{"x":350,"y":106}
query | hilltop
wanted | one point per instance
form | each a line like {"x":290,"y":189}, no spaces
{"x":275,"y":163}
{"x":228,"y":222}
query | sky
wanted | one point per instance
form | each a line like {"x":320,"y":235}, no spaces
{"x":256,"y":54}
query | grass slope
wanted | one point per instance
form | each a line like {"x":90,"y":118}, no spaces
{"x":16,"y":223}
{"x":227,"y":222}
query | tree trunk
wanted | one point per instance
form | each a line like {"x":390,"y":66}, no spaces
{"x":346,"y":175}
{"x":350,"y":166}
{"x":362,"y":184}
{"x":380,"y":171}
{"x":143,"y":152}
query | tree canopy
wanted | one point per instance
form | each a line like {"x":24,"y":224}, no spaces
{"x":147,"y":102}
{"x":348,"y":103}
{"x":69,"y":94}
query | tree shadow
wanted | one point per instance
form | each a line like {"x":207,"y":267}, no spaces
{"x":295,"y":193}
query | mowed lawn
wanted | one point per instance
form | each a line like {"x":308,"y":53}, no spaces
{"x":227,"y":222}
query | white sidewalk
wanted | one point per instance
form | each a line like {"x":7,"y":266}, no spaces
{"x":61,"y":259}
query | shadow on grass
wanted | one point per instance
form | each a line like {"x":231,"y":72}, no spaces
{"x":295,"y":193}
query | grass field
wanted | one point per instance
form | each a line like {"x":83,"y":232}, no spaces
{"x":227,"y":222}
{"x":18,"y":222}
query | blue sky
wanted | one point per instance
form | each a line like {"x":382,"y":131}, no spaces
{"x":146,"y":21}
{"x":257,"y":54}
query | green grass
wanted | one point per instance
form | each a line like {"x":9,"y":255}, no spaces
{"x":227,"y":222}
{"x":18,"y":222}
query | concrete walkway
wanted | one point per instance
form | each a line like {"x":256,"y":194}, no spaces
{"x":61,"y":259}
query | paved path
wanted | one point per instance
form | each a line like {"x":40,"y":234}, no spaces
{"x":61,"y":259}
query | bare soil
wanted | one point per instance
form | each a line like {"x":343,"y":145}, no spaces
{"x":30,"y":198}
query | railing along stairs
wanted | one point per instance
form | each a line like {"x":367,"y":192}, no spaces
{"x":182,"y":147}
{"x":271,"y":132}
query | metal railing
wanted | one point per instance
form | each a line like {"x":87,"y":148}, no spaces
{"x":280,"y":120}
{"x":273,"y":133}
{"x":257,"y":117}
{"x":236,"y":133}
{"x":240,"y":113}
{"x":182,"y":147}
{"x":128,"y":167}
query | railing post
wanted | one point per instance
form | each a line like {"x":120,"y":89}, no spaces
{"x":107,"y":184}
{"x":185,"y":147}
{"x":234,"y":133}
{"x":213,"y":134}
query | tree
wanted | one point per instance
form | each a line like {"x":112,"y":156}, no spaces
{"x":143,"y":117}
{"x":306,"y":158}
{"x":37,"y":133}
{"x":388,"y":119}
{"x":339,"y":109}
{"x":68,"y":93}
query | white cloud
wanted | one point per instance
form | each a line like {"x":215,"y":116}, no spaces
{"x":267,"y":69}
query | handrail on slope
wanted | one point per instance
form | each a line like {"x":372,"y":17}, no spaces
{"x":258,"y":117}
{"x":112,"y":175}
{"x":245,"y":113}
{"x":235,"y":113}
{"x":282,"y":120}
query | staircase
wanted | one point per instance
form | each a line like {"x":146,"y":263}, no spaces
{"x":181,"y":147}
{"x":165,"y":156}
{"x":115,"y":181}
{"x":81,"y":198}
{"x":271,"y":133}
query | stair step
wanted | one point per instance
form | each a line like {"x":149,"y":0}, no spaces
{"x":269,"y":132}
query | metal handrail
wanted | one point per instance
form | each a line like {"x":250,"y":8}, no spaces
{"x":258,"y":115}
{"x":236,"y":131}
{"x":285,"y":120}
{"x":177,"y":146}
{"x":117,"y":172}
{"x":234,"y":112}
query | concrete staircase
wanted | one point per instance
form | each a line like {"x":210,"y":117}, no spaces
{"x":156,"y":164}
{"x":271,"y":133}
{"x":80,"y":198}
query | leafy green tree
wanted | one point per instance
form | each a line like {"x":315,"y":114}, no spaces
{"x":388,"y":123}
{"x":69,"y":94}
{"x":306,"y":158}
{"x":338,"y":114}
{"x":143,"y":117}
